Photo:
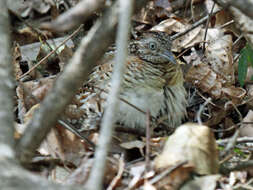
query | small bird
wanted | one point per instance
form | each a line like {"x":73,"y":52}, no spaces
{"x":153,"y":81}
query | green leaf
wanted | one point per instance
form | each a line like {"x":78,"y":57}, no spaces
{"x":249,"y":54}
{"x":242,"y":66}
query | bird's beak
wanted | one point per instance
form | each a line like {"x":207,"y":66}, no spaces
{"x":168,"y":55}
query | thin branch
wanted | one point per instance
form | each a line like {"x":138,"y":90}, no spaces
{"x":167,"y":172}
{"x":14,"y":177}
{"x":207,"y":24}
{"x":226,"y":169}
{"x":195,"y":25}
{"x":232,"y":141}
{"x":202,"y":107}
{"x":6,"y":87}
{"x":107,"y":124}
{"x":238,"y":140}
{"x":147,"y":153}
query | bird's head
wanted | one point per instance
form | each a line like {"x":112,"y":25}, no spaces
{"x":154,"y":47}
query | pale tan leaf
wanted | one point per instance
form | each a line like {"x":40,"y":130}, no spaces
{"x":247,"y":129}
{"x":194,"y":143}
{"x":170,"y":25}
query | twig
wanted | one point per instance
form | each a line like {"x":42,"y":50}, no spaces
{"x":201,"y":110}
{"x":147,"y":153}
{"x":76,"y":132}
{"x":236,"y":167}
{"x":232,"y":140}
{"x":207,"y":23}
{"x":166,"y":172}
{"x":74,"y":16}
{"x":119,"y":174}
{"x":238,"y":140}
{"x":35,"y":30}
{"x":52,"y":52}
{"x":195,"y":25}
{"x":182,"y":53}
{"x":107,"y":124}
{"x":227,"y":24}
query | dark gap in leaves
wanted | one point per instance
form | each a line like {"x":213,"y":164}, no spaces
{"x":132,"y":154}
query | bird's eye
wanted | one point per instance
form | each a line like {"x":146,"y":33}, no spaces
{"x":152,"y":45}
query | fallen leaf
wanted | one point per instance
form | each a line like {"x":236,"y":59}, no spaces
{"x":193,"y":143}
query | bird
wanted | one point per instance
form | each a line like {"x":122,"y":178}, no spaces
{"x":153,"y":82}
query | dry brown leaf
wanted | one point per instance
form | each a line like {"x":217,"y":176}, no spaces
{"x":170,"y":25}
{"x":193,"y":37}
{"x":236,"y":94}
{"x":63,"y":144}
{"x":33,"y":92}
{"x":193,"y":143}
{"x":219,"y":54}
{"x":217,"y":116}
{"x":133,"y":144}
{"x":205,"y":79}
{"x":175,"y":179}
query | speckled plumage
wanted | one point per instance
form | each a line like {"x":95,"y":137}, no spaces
{"x":153,"y":81}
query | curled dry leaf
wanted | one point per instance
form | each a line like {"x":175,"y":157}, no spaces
{"x":175,"y":178}
{"x":133,"y":144}
{"x":219,"y":54}
{"x":236,"y":94}
{"x":193,"y":143}
{"x":193,"y":37}
{"x":204,"y":78}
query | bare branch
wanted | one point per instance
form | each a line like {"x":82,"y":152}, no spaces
{"x":107,"y":124}
{"x":12,"y":176}
{"x":6,"y":86}
{"x":75,"y":16}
